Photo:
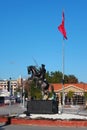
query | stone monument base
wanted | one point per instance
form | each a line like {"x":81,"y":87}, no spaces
{"x":42,"y":107}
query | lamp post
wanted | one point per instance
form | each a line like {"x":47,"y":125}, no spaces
{"x":10,"y":89}
{"x":23,"y":95}
{"x":10,"y":94}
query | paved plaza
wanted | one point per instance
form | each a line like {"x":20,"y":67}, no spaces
{"x":19,"y":109}
{"x":12,"y":109}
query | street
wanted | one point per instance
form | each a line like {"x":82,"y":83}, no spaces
{"x":26,"y":127}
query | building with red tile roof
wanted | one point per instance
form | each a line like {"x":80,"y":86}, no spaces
{"x":78,"y":92}
{"x":78,"y":87}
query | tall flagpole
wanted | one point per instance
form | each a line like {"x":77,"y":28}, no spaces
{"x":63,"y":75}
{"x":61,"y":28}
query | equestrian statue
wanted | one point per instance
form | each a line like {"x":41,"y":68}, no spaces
{"x":38,"y":75}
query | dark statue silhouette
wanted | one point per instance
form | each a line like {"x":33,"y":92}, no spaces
{"x":50,"y":105}
{"x":38,"y":75}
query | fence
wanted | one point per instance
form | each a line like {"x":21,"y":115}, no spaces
{"x":76,"y":105}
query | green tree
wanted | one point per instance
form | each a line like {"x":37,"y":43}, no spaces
{"x":32,"y":90}
{"x":48,"y":76}
{"x":35,"y":91}
{"x":27,"y":85}
{"x":85,"y":96}
{"x":56,"y":77}
{"x":70,"y":95}
{"x":72,"y":79}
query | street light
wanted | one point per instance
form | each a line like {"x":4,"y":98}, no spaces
{"x":23,"y":94}
{"x":10,"y":86}
{"x":10,"y":94}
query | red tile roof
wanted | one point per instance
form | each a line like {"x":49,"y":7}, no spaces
{"x":79,"y":85}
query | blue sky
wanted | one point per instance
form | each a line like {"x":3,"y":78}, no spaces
{"x":29,"y":34}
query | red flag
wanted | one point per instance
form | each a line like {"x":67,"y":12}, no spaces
{"x":62,"y":28}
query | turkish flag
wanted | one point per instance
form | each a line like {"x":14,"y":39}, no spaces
{"x":61,"y":27}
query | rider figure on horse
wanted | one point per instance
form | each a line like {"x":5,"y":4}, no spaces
{"x":42,"y":72}
{"x":38,"y":75}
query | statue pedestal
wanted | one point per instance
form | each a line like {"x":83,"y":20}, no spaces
{"x":42,"y":106}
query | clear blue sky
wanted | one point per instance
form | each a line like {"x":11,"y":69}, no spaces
{"x":29,"y":34}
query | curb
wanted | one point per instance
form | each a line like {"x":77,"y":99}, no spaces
{"x":47,"y":122}
{"x":44,"y":122}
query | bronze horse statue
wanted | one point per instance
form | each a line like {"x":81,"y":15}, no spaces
{"x":38,"y":75}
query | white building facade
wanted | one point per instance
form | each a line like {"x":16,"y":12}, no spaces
{"x":4,"y":86}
